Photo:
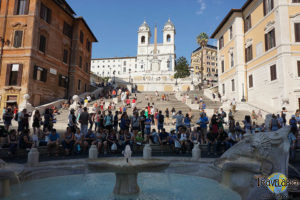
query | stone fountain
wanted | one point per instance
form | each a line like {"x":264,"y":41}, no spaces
{"x":127,"y":170}
{"x":7,"y":177}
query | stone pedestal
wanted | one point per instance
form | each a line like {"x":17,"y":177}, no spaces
{"x":196,"y":152}
{"x":93,"y":152}
{"x":147,"y":152}
{"x":126,"y":184}
{"x":33,"y":156}
{"x":4,"y":188}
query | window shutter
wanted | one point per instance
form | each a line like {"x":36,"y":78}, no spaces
{"x":272,"y":4}
{"x":20,"y":73}
{"x":27,"y":7}
{"x":45,"y":75}
{"x":264,"y":3}
{"x":266,"y":42}
{"x":35,"y":72}
{"x":16,"y":7}
{"x":297,"y":32}
{"x":298,"y":68}
{"x":49,"y":14}
{"x":273,"y":37}
{"x":8,"y":71}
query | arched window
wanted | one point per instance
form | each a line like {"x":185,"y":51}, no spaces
{"x":143,"y":40}
{"x":168,"y":38}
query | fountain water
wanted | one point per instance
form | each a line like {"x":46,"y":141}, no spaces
{"x":126,"y":171}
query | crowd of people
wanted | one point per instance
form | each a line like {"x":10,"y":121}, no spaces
{"x":111,"y":129}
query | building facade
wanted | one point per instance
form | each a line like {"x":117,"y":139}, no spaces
{"x":210,"y":62}
{"x":142,"y":63}
{"x":45,"y":51}
{"x":259,"y":54}
{"x":118,"y":66}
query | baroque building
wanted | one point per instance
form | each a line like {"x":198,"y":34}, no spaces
{"x":45,"y":51}
{"x":259,"y":54}
{"x":142,"y":63}
{"x":210,"y":62}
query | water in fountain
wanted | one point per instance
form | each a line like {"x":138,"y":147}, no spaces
{"x":154,"y":186}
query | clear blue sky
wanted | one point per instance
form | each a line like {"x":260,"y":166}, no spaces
{"x":115,"y":22}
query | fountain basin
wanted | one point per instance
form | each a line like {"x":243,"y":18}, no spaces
{"x":158,"y":186}
{"x":127,"y":172}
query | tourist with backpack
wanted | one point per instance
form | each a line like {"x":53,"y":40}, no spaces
{"x":160,"y":121}
{"x":108,"y":121}
{"x":274,"y":123}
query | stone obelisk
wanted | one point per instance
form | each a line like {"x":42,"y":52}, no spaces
{"x":155,"y":63}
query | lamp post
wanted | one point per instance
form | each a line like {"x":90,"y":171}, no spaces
{"x":243,"y":98}
{"x":192,"y":72}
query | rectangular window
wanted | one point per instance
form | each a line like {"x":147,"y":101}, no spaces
{"x":223,"y":89}
{"x":232,"y":85}
{"x":42,"y":46}
{"x":79,"y":85}
{"x":230,"y":33}
{"x":81,"y":37}
{"x":247,"y":24}
{"x":223,"y":66}
{"x":221,"y":42}
{"x":88,"y":45}
{"x":40,"y":74}
{"x":298,"y":67}
{"x":268,"y":6}
{"x":18,"y":39}
{"x":86,"y":67}
{"x":85,"y":88}
{"x":45,"y":13}
{"x":270,"y":40}
{"x":65,"y":56}
{"x":208,"y":69}
{"x":80,"y":61}
{"x":248,"y":53}
{"x":14,"y":75}
{"x":67,"y":30}
{"x":231,"y":60}
{"x":273,"y":72}
{"x":124,"y":69}
{"x":21,"y":7}
{"x":251,"y":81}
{"x":63,"y":81}
{"x":297,"y":32}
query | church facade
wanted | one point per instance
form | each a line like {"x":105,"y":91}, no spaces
{"x":123,"y":67}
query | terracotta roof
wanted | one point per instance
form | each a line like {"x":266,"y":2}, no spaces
{"x":229,"y":15}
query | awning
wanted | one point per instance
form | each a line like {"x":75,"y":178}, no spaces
{"x":11,"y":101}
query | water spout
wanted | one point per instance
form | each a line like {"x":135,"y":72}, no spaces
{"x":127,"y":153}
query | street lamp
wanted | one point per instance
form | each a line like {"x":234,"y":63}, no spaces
{"x":243,"y":98}
{"x":192,"y":72}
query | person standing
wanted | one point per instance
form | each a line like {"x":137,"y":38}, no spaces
{"x":167,"y":114}
{"x":160,"y":121}
{"x":36,"y":124}
{"x":202,"y":122}
{"x":233,"y":105}
{"x":84,"y":121}
{"x":179,"y":119}
{"x":7,"y":117}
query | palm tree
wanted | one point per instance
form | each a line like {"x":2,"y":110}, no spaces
{"x":202,"y":40}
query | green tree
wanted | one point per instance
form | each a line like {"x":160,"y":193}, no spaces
{"x":181,"y":68}
{"x":202,"y":39}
